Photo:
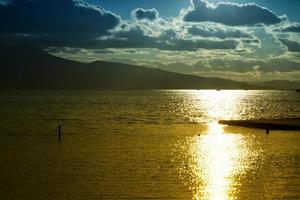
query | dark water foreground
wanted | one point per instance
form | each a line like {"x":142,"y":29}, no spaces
{"x":146,"y":145}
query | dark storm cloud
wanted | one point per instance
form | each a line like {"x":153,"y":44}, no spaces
{"x":230,"y":13}
{"x":217,"y":32}
{"x":293,"y":28}
{"x":142,"y":14}
{"x":135,"y":37}
{"x":55,"y":17}
{"x":75,"y":23}
{"x":291,"y":45}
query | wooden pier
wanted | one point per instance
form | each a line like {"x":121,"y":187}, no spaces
{"x":267,"y":124}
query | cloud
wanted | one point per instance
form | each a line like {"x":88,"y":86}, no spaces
{"x":292,"y":28}
{"x":217,"y":32}
{"x":288,"y":34}
{"x":229,"y":13}
{"x":142,"y":14}
{"x":55,"y":17}
{"x":135,"y":36}
{"x":291,"y":45}
{"x":79,"y":24}
{"x":250,"y":65}
{"x":177,"y":67}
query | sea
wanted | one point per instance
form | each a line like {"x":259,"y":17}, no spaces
{"x":146,"y":144}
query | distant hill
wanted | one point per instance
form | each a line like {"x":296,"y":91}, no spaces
{"x":280,"y":84}
{"x":28,"y":67}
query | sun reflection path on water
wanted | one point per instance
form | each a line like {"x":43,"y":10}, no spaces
{"x":219,"y":163}
{"x":218,"y":157}
{"x":220,"y":104}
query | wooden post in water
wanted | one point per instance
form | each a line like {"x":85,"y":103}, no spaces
{"x":267,"y":131}
{"x":59,"y":133}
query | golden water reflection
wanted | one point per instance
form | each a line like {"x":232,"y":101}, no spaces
{"x":219,"y":158}
{"x":220,"y":104}
{"x":218,"y":161}
{"x":219,"y":164}
{"x":215,"y":163}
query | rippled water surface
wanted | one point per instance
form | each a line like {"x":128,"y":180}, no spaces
{"x":147,"y":145}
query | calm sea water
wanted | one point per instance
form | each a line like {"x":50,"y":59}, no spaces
{"x":146,"y":145}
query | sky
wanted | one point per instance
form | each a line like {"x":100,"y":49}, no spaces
{"x":245,"y":40}
{"x":171,"y":8}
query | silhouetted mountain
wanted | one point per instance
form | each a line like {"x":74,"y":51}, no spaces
{"x":281,"y":84}
{"x":28,"y":67}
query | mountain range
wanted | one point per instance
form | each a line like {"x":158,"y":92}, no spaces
{"x":30,"y":67}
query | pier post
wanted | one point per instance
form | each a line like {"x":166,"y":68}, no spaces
{"x":267,"y":131}
{"x":59,"y":133}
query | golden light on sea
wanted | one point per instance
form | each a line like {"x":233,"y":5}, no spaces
{"x":220,"y":104}
{"x":219,"y":163}
{"x":218,"y":158}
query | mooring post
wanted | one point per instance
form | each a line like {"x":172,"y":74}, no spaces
{"x":267,"y":131}
{"x":59,"y":133}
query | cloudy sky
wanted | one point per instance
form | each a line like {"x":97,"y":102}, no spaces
{"x":252,"y":40}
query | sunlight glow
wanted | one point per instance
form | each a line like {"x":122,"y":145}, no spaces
{"x":220,"y":104}
{"x":217,"y":159}
{"x":218,"y":155}
{"x":219,"y":163}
